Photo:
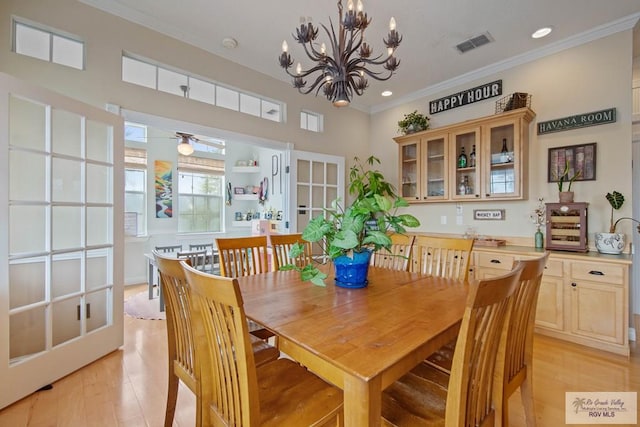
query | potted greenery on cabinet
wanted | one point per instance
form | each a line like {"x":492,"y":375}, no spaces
{"x":613,"y":242}
{"x":413,"y":122}
{"x":349,"y":234}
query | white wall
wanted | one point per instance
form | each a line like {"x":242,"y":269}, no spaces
{"x":582,"y":79}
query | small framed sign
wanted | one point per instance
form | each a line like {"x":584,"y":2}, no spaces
{"x":486,"y":214}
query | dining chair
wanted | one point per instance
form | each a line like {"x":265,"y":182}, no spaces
{"x":427,"y":396}
{"x":180,"y":337}
{"x":153,"y":284}
{"x":236,"y":392}
{"x":197,"y":259}
{"x":212,"y":265}
{"x":244,"y":256}
{"x":281,"y":246}
{"x":442,"y":256}
{"x":398,"y":256}
{"x":519,"y":351}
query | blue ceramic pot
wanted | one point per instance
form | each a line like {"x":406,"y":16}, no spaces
{"x":352,"y":272}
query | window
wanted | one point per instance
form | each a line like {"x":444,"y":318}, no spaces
{"x":135,"y":187}
{"x":200,"y":194}
{"x":135,"y":132}
{"x":48,"y":46}
{"x":311,"y":121}
{"x":163,"y":78}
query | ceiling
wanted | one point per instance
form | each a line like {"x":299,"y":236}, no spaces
{"x":430,"y":28}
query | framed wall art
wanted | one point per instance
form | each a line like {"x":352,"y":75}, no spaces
{"x":578,"y":158}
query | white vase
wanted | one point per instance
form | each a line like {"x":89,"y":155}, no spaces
{"x":610,"y":243}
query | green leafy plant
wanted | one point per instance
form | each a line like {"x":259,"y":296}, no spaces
{"x":616,"y":200}
{"x":565,"y":177}
{"x":413,"y":122}
{"x":363,"y":225}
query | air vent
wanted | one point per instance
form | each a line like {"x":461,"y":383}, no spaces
{"x":474,"y":42}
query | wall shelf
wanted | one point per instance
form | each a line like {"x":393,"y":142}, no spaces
{"x":245,"y":169}
{"x":245,"y":197}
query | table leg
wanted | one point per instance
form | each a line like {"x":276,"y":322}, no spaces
{"x":362,"y":402}
{"x":150,"y":278}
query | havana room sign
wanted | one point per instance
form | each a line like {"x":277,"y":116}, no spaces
{"x":469,"y":96}
{"x":578,"y":121}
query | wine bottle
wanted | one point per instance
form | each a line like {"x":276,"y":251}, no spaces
{"x":462,"y":159}
{"x":472,"y":157}
{"x":504,"y":153}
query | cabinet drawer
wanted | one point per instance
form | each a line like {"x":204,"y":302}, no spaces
{"x":491,"y":260}
{"x":554,"y":268}
{"x":604,"y":273}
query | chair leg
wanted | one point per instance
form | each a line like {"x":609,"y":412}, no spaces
{"x":526,"y":391}
{"x":172,"y":397}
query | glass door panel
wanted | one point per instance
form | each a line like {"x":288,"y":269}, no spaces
{"x":467,"y":179}
{"x":27,"y":333}
{"x":503,"y":160}
{"x":66,"y":315}
{"x":435,"y":161}
{"x":409,"y":172}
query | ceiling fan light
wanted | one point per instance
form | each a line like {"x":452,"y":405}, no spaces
{"x":185,"y":148}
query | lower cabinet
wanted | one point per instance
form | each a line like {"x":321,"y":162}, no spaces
{"x":583,"y":298}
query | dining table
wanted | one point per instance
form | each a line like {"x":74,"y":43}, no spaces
{"x":360,"y":340}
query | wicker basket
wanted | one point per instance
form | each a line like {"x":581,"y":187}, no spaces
{"x":512,"y":102}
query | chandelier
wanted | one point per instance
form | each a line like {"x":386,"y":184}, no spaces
{"x":343,"y":73}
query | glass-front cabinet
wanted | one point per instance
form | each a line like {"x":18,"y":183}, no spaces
{"x":423,"y":168}
{"x":481,"y":159}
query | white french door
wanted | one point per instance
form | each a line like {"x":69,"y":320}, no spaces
{"x":316,"y":181}
{"x":61,"y":222}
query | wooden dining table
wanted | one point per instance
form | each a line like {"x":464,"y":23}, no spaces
{"x":361,"y":340}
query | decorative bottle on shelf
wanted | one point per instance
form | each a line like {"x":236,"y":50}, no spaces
{"x":462,"y":159}
{"x":472,"y":157}
{"x":462,"y":188}
{"x":539,"y":237}
{"x":504,"y":153}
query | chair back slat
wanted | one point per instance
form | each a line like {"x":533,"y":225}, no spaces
{"x":198,"y":259}
{"x":281,"y":246}
{"x":242,"y":256}
{"x":442,"y":256}
{"x":228,"y":374}
{"x":398,"y":256}
{"x":480,"y":351}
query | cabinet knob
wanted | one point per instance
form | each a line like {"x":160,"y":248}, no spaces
{"x":596,"y":273}
{"x":574,"y":284}
{"x":495,"y":261}
{"x":487,"y":195}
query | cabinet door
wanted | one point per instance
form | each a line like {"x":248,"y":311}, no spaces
{"x":502,"y":159}
{"x":465,"y":179}
{"x":549,"y":311}
{"x":410,"y":170}
{"x":434,"y":161}
{"x":597,"y":311}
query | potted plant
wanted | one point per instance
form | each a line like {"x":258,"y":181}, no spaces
{"x":349,"y":234}
{"x":413,"y":122}
{"x":566,"y":196}
{"x":613,"y":242}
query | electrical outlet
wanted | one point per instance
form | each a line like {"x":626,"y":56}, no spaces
{"x":443,"y":220}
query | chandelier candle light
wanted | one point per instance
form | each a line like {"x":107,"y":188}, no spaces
{"x":342,"y":74}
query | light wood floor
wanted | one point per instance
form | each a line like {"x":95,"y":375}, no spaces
{"x":128,"y":386}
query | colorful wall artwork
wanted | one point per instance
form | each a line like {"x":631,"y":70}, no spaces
{"x":164,"y":208}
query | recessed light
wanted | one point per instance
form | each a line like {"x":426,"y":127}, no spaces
{"x":541,"y":32}
{"x":387,"y":93}
{"x":229,"y":43}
